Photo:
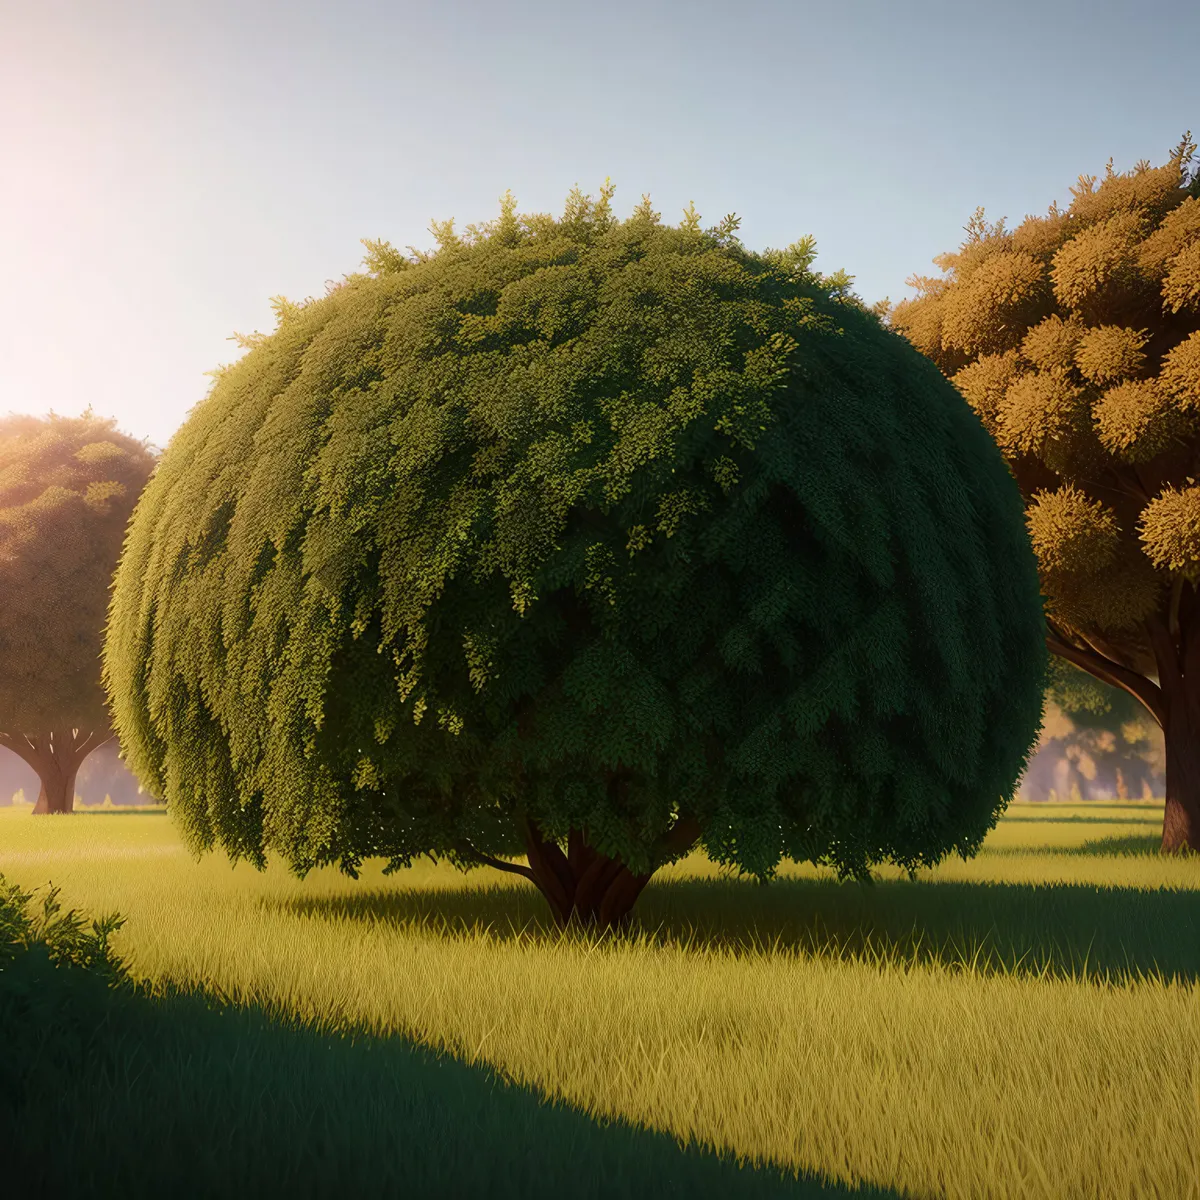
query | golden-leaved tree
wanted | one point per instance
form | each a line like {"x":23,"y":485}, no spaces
{"x":1076,"y":339}
{"x":67,"y":488}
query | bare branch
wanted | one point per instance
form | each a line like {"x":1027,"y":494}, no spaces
{"x":1107,"y":671}
{"x":1173,"y":614}
{"x":486,"y":860}
{"x":82,"y":749}
{"x":681,"y":837}
{"x":22,"y":746}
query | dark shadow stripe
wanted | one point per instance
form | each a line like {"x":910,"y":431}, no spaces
{"x":1082,"y":930}
{"x":119,"y":1094}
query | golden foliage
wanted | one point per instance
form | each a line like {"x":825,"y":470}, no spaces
{"x":1181,"y":288}
{"x":1041,"y":407}
{"x":1109,"y":353}
{"x":1153,"y":192}
{"x":1119,"y":598}
{"x":1072,"y":533}
{"x":101,"y":496}
{"x":985,"y":382}
{"x":920,"y":320}
{"x":1178,"y":230}
{"x":981,"y":316}
{"x":1115,"y":351}
{"x":1052,"y":343}
{"x":1101,"y":258}
{"x":983,"y":244}
{"x":1180,"y":374}
{"x":1136,"y":421}
{"x":1171,"y":531}
{"x":1043,"y":236}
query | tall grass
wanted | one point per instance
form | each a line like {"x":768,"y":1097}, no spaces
{"x":1026,"y":1024}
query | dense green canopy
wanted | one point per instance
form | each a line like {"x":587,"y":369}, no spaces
{"x":589,"y":530}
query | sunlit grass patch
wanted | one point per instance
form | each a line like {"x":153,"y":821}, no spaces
{"x":1027,"y":1023}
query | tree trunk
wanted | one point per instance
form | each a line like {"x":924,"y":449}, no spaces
{"x":1181,"y":818}
{"x":57,"y":794}
{"x":1177,"y":653}
{"x":582,"y":886}
{"x":56,"y":757}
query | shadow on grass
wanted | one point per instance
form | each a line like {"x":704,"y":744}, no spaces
{"x":115,"y":812}
{"x":1145,"y":846}
{"x":1150,"y":819}
{"x":117,"y":1093}
{"x":1084,"y":931}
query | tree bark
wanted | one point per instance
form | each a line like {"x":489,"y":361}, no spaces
{"x":57,"y":793}
{"x":1181,"y":818}
{"x":582,"y":886}
{"x":56,"y":757}
{"x":1178,"y":654}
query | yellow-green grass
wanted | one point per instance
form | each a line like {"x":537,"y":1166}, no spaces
{"x":1023,"y":1024}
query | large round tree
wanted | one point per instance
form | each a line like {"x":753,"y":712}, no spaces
{"x":591,"y":540}
{"x":1076,"y":337}
{"x":67,"y":488}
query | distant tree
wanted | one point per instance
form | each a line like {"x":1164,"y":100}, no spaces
{"x":589,"y":539}
{"x":1097,"y":733}
{"x":67,"y":488}
{"x":1076,"y":338}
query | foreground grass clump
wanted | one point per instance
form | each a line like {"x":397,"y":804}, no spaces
{"x":1024,"y":1024}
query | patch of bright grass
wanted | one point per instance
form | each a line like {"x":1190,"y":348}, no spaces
{"x":1024,"y":1024}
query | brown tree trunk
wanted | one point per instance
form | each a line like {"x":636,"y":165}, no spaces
{"x":56,"y":757}
{"x":57,"y":794}
{"x":1177,"y":652}
{"x":1181,"y":818}
{"x":582,"y":886}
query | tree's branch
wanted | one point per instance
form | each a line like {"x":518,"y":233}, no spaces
{"x":1128,"y":482}
{"x":1107,"y":671}
{"x":81,"y":749}
{"x":33,"y":748}
{"x":548,"y":862}
{"x":1104,"y":649}
{"x":1144,"y":490}
{"x":1166,"y":653}
{"x":1187,"y":650}
{"x":1187,"y":605}
{"x":1183,"y":666}
{"x":1173,"y":612}
{"x":1121,"y":488}
{"x":23,"y":747}
{"x":486,"y":860}
{"x":677,"y":840}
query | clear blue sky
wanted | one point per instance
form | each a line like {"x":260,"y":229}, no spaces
{"x":169,"y":166}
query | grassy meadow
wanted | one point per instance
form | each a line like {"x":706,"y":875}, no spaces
{"x":1024,"y":1024}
